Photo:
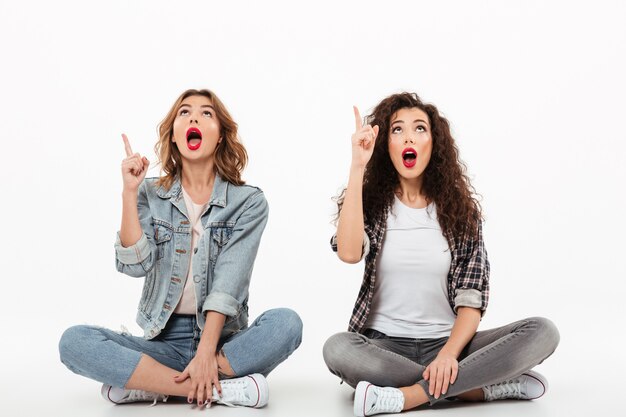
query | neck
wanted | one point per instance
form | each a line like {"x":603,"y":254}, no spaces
{"x":198,"y":176}
{"x":410,"y":192}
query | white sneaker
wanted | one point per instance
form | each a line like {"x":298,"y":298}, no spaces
{"x":528,"y":386}
{"x":247,"y":391}
{"x":370,"y":399}
{"x":123,"y":396}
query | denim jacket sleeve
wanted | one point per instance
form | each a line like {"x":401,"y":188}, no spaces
{"x":233,"y":267}
{"x":138,"y":259}
{"x":472,"y":274}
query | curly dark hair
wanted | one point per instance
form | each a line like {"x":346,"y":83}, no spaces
{"x":445,"y":180}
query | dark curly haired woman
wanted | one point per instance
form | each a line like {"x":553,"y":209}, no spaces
{"x":409,"y":210}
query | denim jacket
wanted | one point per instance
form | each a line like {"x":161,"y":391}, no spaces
{"x":222,"y":263}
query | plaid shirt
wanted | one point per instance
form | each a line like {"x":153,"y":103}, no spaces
{"x":468,"y":278}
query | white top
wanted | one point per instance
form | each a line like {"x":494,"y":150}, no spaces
{"x":411,"y":293}
{"x":187,"y":303}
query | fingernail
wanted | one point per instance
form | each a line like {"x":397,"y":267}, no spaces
{"x":189,"y":400}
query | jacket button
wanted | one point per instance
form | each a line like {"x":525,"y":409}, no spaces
{"x":196,"y":278}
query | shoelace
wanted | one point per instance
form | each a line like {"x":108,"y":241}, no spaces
{"x":387,"y":400}
{"x":139,"y":395}
{"x":506,"y":389}
{"x":235,"y":394}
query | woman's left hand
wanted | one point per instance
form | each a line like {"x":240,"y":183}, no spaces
{"x":441,"y":373}
{"x":203,"y":373}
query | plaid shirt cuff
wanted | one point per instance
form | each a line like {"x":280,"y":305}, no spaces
{"x":467,"y":298}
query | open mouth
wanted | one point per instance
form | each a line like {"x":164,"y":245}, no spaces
{"x":409,"y":157}
{"x":194,"y":138}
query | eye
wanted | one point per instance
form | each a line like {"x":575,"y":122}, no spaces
{"x":183,"y":112}
{"x":207,"y":113}
{"x":396,"y":129}
{"x":421,"y":128}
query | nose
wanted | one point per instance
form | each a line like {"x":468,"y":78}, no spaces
{"x":193,"y":121}
{"x":409,"y":139}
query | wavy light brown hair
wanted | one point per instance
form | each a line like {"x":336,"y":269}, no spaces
{"x":445,"y":180}
{"x":230,"y":155}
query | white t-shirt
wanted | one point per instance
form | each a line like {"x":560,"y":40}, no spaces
{"x":187,"y":303}
{"x":411,"y":294}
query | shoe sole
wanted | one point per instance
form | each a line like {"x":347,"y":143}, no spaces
{"x":262,"y":389}
{"x":359,"y":398}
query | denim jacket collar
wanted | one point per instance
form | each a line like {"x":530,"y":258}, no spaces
{"x":218,"y":196}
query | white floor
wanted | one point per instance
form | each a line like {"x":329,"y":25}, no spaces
{"x":318,"y":396}
{"x":585,"y":380}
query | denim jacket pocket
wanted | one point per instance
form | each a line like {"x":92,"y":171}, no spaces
{"x":148,"y":292}
{"x":220,"y":235}
{"x":162,"y":237}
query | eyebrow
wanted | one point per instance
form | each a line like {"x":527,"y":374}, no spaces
{"x":414,"y":121}
{"x":189,"y":105}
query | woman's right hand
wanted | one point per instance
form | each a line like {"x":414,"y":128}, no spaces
{"x":134,"y":168}
{"x":363,"y":141}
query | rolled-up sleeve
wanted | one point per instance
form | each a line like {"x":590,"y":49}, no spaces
{"x":134,"y":254}
{"x":364,"y":250}
{"x":233,"y":266}
{"x":472,"y":274}
{"x":138,"y":259}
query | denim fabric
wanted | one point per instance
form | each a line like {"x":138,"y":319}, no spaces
{"x":222,"y":263}
{"x":490,"y":357}
{"x":111,"y":357}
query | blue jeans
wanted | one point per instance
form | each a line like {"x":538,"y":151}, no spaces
{"x":491,"y":356}
{"x":111,"y":358}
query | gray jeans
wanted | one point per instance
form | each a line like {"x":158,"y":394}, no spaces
{"x":491,"y":356}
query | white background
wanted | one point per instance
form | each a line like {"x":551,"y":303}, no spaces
{"x":535,"y":94}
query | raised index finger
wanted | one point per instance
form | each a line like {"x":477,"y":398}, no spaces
{"x":129,"y":150}
{"x":357,"y":118}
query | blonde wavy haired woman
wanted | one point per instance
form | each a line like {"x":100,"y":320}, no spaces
{"x":193,"y":235}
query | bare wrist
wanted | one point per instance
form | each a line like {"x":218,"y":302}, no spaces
{"x":207,"y":350}
{"x":129,"y":194}
{"x":449,"y":352}
{"x":356,"y":168}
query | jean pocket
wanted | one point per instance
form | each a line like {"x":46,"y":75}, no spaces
{"x":374,"y":334}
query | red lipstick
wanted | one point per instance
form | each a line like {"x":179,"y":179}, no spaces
{"x":409,"y":157}
{"x":194,"y":138}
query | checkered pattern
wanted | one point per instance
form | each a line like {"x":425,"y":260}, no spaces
{"x":469,"y":272}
